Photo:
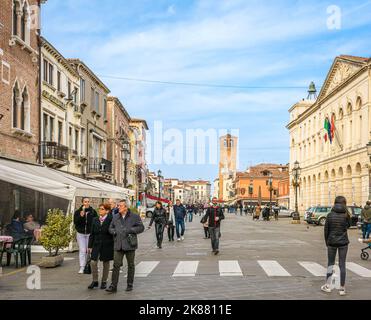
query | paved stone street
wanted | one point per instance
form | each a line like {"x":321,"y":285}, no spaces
{"x":268,"y":261}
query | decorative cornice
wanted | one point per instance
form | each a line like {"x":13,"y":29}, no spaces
{"x":58,"y":56}
{"x":91,"y":74}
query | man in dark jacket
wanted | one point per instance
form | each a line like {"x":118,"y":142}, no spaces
{"x":366,"y":218}
{"x":180,"y":213}
{"x":214,"y":215}
{"x":83,"y":220}
{"x":124,"y":227}
{"x":159,"y":216}
{"x":336,"y":236}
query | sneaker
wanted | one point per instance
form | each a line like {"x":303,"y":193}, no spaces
{"x":326,"y":288}
{"x":178,"y":239}
{"x":342,"y":292}
{"x":182,"y":238}
{"x":360,"y":240}
{"x":216,"y":252}
{"x":81,"y":271}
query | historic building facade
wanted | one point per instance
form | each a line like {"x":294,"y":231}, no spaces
{"x":118,"y":148}
{"x":341,"y":167}
{"x":62,"y":142}
{"x":19,"y":88}
{"x":139,"y":128}
{"x":94,"y":123}
{"x":227,"y":166}
{"x":253,"y":187}
{"x":202,"y":190}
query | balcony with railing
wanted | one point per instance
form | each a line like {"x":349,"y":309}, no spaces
{"x":99,"y":168}
{"x":55,"y":155}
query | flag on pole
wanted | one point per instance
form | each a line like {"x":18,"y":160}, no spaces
{"x":327,"y":128}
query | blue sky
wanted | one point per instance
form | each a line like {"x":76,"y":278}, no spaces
{"x":223,"y":42}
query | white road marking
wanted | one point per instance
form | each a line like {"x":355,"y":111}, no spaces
{"x":186,"y":269}
{"x":229,"y":268}
{"x":314,"y":268}
{"x":273,"y":268}
{"x":359,"y":270}
{"x":144,"y":268}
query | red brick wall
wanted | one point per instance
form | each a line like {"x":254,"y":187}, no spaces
{"x":26,"y":72}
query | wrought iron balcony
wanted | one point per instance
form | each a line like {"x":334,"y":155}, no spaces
{"x":54,"y":154}
{"x":99,"y":166}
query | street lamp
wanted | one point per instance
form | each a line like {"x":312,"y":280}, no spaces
{"x":251,"y":191}
{"x":270,"y":192}
{"x":295,"y":183}
{"x":159,"y":183}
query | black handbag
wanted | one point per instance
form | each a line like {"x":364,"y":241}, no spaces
{"x":132,"y":239}
{"x":204,"y":218}
{"x":87,"y":269}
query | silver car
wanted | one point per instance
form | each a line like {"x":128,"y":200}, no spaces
{"x":284,"y":211}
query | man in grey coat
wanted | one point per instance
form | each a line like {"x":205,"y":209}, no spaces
{"x":124,"y":227}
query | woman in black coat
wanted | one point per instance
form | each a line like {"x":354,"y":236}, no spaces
{"x":336,"y":237}
{"x":159,"y":216}
{"x":101,"y":245}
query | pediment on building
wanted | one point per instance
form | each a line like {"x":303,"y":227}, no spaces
{"x":341,"y":70}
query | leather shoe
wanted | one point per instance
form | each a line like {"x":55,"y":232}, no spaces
{"x":112,"y":289}
{"x":93,"y":285}
{"x":103,"y":285}
{"x":129,"y":288}
{"x":216,"y":252}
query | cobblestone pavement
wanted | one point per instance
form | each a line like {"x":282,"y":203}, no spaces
{"x":262,"y":260}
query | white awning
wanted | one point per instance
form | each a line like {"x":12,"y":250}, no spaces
{"x":57,"y":183}
{"x":16,"y":173}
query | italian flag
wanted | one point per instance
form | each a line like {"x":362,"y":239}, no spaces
{"x":330,"y":128}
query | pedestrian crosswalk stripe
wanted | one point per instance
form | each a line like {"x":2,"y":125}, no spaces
{"x":144,"y":268}
{"x":273,"y":268}
{"x":314,"y":268}
{"x":359,"y":270}
{"x":229,"y":268}
{"x":186,"y":269}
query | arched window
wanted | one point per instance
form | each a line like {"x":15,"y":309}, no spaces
{"x":23,"y":24}
{"x":349,"y":109}
{"x":15,"y":17}
{"x":16,"y":97}
{"x":23,"y":109}
{"x":359,"y":103}
{"x":25,"y":114}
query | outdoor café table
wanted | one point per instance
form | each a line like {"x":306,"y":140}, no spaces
{"x":6,"y":239}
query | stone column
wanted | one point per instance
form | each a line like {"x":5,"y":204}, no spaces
{"x":19,"y":112}
{"x":19,"y":22}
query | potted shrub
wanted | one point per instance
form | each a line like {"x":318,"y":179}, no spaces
{"x":55,"y":236}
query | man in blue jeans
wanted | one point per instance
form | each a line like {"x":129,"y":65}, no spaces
{"x":179,"y":213}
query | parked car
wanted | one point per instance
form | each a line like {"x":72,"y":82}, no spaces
{"x":149,"y":212}
{"x":319,"y":214}
{"x":283,"y":211}
{"x":307,"y":213}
